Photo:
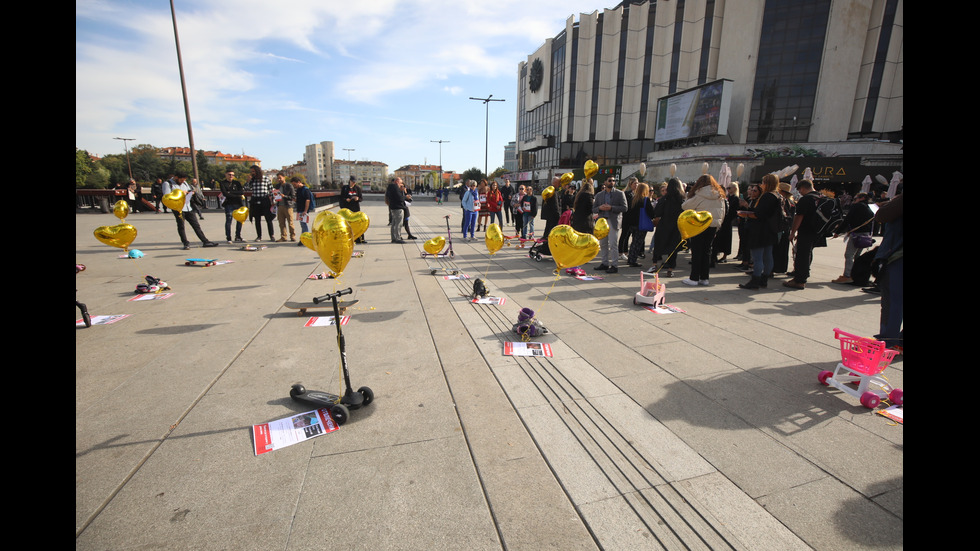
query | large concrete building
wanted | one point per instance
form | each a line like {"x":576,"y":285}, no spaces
{"x":319,"y":161}
{"x":370,"y":174}
{"x":820,"y":81}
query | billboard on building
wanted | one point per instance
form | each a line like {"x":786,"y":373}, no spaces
{"x":698,"y":112}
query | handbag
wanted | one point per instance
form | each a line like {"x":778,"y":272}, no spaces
{"x":645,"y":222}
{"x":862,"y":240}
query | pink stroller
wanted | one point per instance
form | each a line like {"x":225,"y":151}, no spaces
{"x":862,"y":360}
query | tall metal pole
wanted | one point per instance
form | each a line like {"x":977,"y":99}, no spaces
{"x":183,"y":89}
{"x":350,"y":167}
{"x":126,"y":146}
{"x":440,"y":142}
{"x":486,"y":148}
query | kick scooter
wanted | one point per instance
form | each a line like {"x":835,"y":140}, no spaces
{"x":338,"y":406}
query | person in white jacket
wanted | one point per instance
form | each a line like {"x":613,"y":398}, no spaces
{"x":704,"y":195}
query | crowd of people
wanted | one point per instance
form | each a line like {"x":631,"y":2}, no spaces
{"x":778,"y":229}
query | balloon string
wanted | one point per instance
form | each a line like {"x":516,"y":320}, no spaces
{"x":664,"y":263}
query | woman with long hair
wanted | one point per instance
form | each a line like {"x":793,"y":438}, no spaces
{"x":495,"y":203}
{"x":763,"y":231}
{"x":751,"y":199}
{"x":582,"y":220}
{"x":641,"y":209}
{"x":704,"y":196}
{"x":723,"y":239}
{"x":667,"y":236}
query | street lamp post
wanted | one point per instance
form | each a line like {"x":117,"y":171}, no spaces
{"x":440,"y":142}
{"x":350,"y":167}
{"x":486,"y":148}
{"x":126,"y":146}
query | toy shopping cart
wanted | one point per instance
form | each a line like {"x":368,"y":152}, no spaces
{"x":862,"y":359}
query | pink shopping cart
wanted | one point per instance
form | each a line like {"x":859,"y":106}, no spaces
{"x":862,"y":360}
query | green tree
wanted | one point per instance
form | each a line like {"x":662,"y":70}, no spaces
{"x":473,"y":174}
{"x":116,"y":165}
{"x":147,"y":166}
{"x":83,"y":167}
{"x":98,"y":178}
{"x":497,"y":173}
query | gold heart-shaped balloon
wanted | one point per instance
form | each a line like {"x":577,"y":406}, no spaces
{"x":547,"y":192}
{"x":601,"y":229}
{"x":240,"y":214}
{"x":570,"y":248}
{"x":333,"y":241}
{"x":306,"y":238}
{"x":174,"y":200}
{"x":434,"y":245}
{"x":121,"y":209}
{"x":590,"y":168}
{"x":494,"y":238}
{"x":691,"y":223}
{"x":566,"y":177}
{"x":120,"y":235}
{"x":358,"y":221}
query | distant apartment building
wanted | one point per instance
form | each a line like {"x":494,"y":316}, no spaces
{"x":421,"y":175}
{"x":319,"y":161}
{"x":510,"y":157}
{"x":366,"y":173}
{"x":213,"y":157}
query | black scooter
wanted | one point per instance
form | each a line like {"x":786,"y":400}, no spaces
{"x":338,"y":406}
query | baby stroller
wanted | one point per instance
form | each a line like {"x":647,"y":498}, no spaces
{"x":539,"y":250}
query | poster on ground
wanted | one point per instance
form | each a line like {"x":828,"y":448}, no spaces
{"x":278,"y":434}
{"x":527,"y":349}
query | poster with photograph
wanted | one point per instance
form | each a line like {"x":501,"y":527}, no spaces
{"x":325,"y":321}
{"x":527,"y":349}
{"x":151,"y":296}
{"x":291,"y":430}
{"x":499,"y":301}
{"x":665,"y":309}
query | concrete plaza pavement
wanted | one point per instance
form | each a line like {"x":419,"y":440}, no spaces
{"x":701,"y":430}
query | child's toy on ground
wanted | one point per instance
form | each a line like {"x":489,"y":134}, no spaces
{"x":862,"y":359}
{"x":651,"y":292}
{"x":201,"y":262}
{"x":339,"y":406}
{"x":527,"y":326}
{"x":152,"y":285}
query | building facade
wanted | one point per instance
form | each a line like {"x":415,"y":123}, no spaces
{"x":213,"y":157}
{"x":370,"y":174}
{"x":822,"y":77}
{"x":319,"y":161}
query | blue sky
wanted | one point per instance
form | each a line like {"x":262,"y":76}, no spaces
{"x":382,"y":77}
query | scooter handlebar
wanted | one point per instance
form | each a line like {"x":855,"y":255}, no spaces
{"x":340,"y":293}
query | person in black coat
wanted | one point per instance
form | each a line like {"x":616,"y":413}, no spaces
{"x":667,"y":236}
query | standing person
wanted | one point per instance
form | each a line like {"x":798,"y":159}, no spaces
{"x":857,"y":229}
{"x":891,"y":275}
{"x":630,"y":221}
{"x":723,"y":239}
{"x":780,"y":253}
{"x":495,"y":203}
{"x":261,"y":204}
{"x":234,"y":198}
{"x":749,"y":203}
{"x":471,"y":207}
{"x":667,"y":237}
{"x":582,"y":220}
{"x":805,"y":231}
{"x":157,"y":191}
{"x":705,"y":195}
{"x":179,"y":181}
{"x":610,"y":203}
{"x":550,"y":213}
{"x":407,"y":214}
{"x":284,"y":197}
{"x":762,"y":230}
{"x":529,"y":209}
{"x":643,"y":208}
{"x":304,"y":206}
{"x":197,"y":200}
{"x":515,"y":203}
{"x":351,"y":196}
{"x":482,"y":189}
{"x":395,"y":197}
{"x":505,"y":192}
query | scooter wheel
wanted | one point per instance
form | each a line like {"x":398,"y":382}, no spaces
{"x":297,"y":390}
{"x":340,"y":413}
{"x":367,"y":394}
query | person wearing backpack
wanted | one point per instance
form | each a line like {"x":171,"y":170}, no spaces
{"x":806,"y":232}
